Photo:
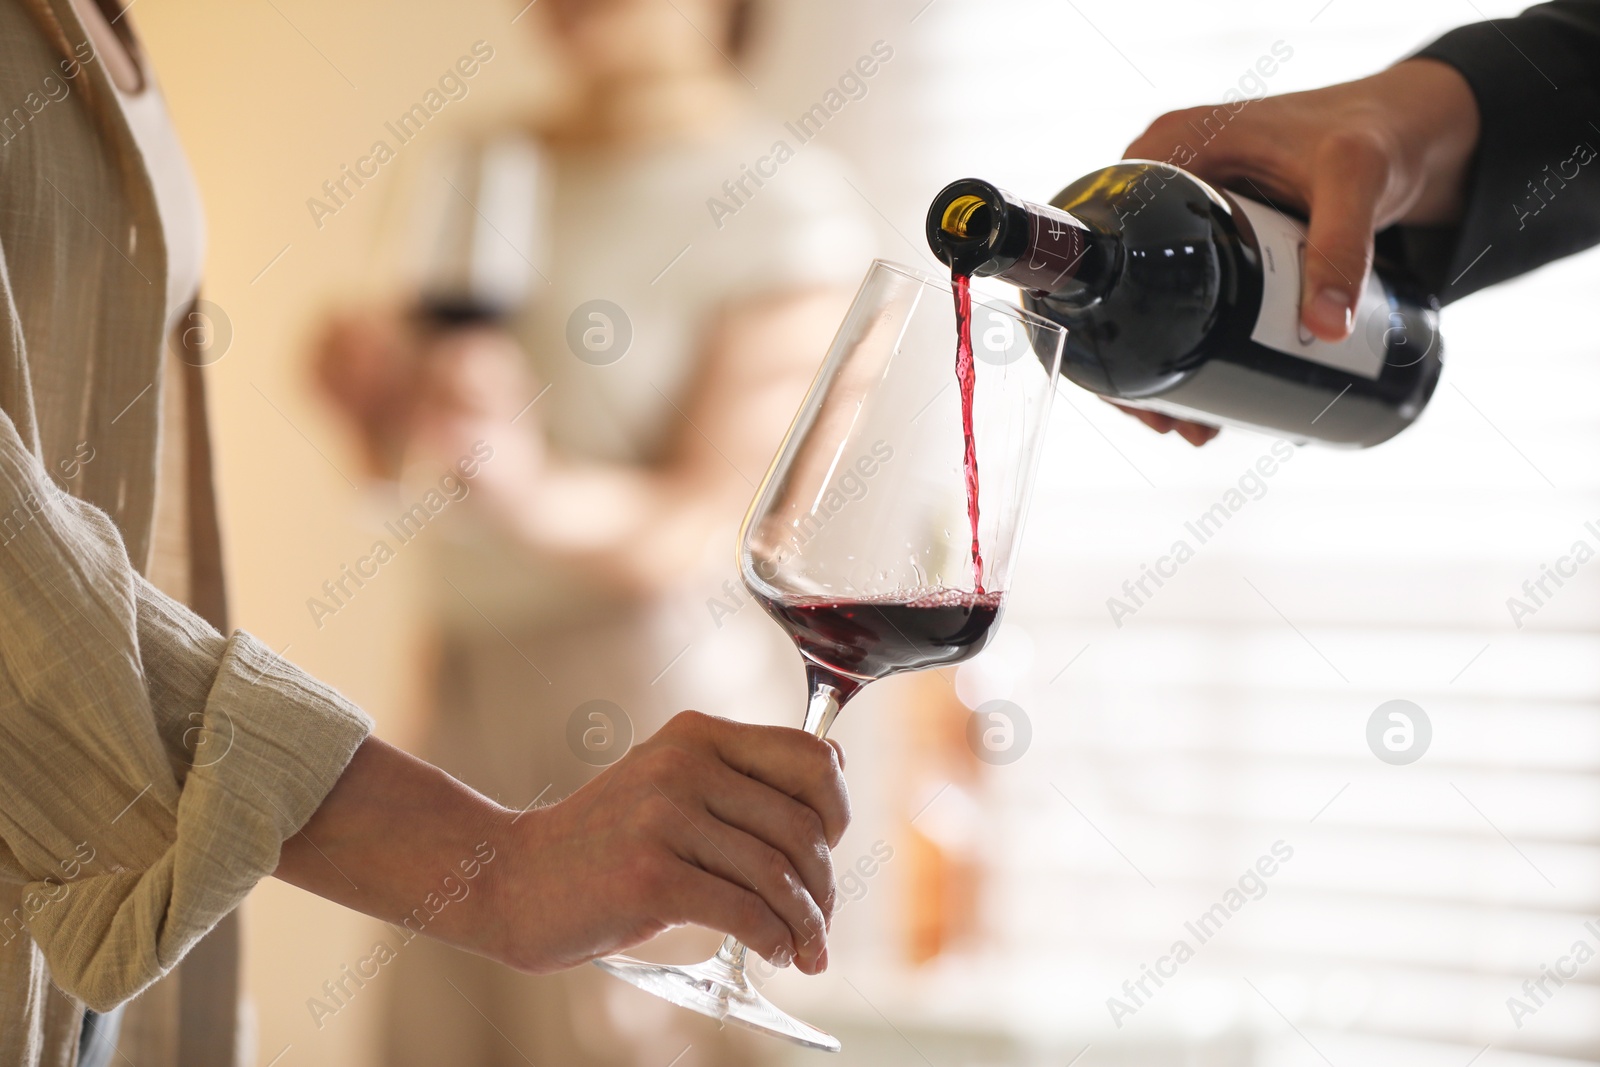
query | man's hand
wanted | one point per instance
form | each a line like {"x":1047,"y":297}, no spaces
{"x":1355,"y":158}
{"x":710,"y":822}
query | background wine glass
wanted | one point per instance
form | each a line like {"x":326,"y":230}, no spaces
{"x":858,"y":541}
{"x":476,"y":230}
{"x":469,"y":227}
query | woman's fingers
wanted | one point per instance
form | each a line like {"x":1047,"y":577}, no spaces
{"x":790,"y":761}
{"x":703,"y":898}
{"x":752,"y":806}
{"x":781,"y":822}
{"x":749,"y":863}
{"x":709,"y":822}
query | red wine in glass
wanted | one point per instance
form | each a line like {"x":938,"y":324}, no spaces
{"x":865,"y":639}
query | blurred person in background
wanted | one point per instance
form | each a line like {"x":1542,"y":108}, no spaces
{"x":156,"y":765}
{"x":593,"y":550}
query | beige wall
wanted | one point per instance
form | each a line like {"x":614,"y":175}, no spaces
{"x":271,"y":96}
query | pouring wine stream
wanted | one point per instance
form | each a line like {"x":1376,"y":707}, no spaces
{"x":805,"y":541}
{"x":967,"y":378}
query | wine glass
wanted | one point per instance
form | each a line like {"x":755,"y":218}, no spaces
{"x":861,"y":543}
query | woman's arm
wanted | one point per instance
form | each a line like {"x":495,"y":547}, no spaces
{"x":154,"y":771}
{"x":151,"y":767}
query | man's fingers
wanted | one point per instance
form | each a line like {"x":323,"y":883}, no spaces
{"x":1343,"y":180}
{"x":1172,"y":136}
{"x":1151,"y":144}
{"x":1195,"y":433}
{"x":1154,"y":419}
{"x":1236,"y":150}
{"x":1350,"y":177}
{"x":749,"y":863}
{"x":705,"y":899}
{"x":783,"y":823}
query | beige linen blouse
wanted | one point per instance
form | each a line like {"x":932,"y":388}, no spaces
{"x":150,"y":767}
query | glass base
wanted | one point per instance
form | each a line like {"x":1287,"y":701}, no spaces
{"x":714,"y":988}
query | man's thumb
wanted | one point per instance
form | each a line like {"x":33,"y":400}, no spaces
{"x":1350,"y":178}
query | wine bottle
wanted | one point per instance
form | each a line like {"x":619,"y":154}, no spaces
{"x":1185,"y":299}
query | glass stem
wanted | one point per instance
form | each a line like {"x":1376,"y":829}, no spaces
{"x":828,"y":695}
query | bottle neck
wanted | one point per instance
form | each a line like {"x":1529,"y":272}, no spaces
{"x":983,"y":231}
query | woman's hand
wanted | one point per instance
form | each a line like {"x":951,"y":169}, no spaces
{"x":710,"y":822}
{"x":1355,"y":158}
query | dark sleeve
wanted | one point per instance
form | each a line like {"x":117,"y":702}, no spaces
{"x":1534,"y":188}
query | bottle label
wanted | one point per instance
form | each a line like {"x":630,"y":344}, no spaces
{"x":1056,"y":246}
{"x":1283,"y":249}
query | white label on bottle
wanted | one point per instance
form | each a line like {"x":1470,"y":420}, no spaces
{"x":1283,"y":250}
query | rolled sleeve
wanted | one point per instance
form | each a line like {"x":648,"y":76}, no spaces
{"x":150,"y":768}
